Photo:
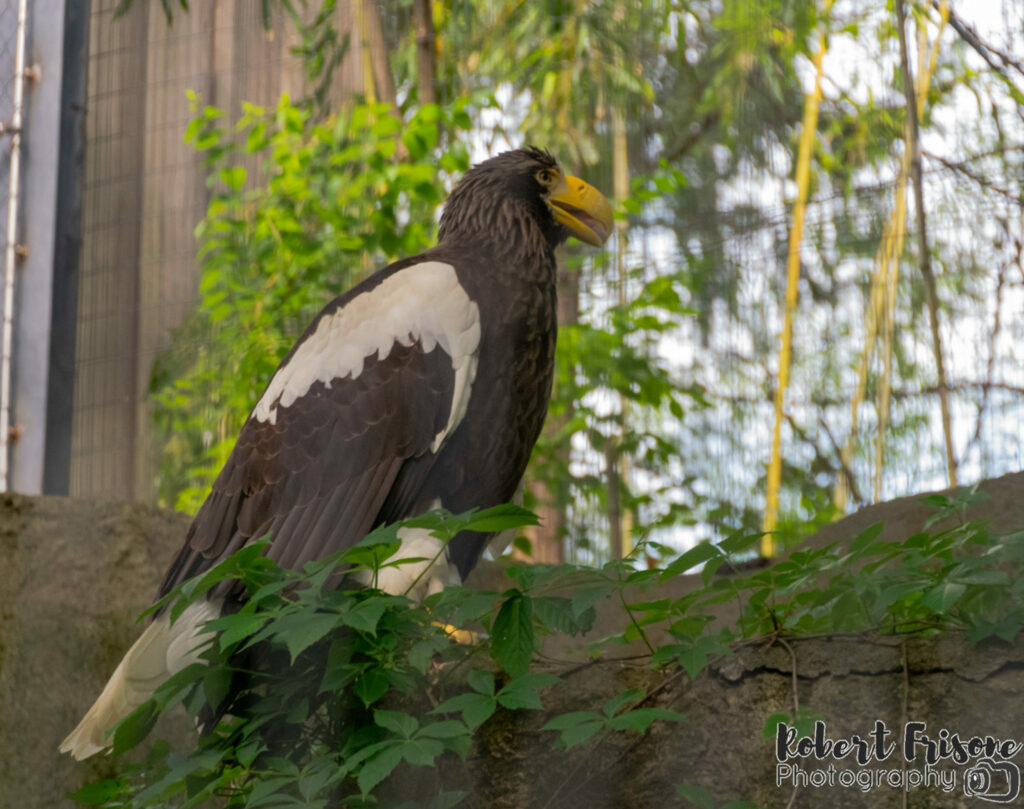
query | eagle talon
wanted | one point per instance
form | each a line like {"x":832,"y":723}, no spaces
{"x":464,"y":637}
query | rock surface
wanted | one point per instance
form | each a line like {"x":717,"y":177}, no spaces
{"x":74,"y":575}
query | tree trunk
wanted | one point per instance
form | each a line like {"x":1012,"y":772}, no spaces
{"x":426,"y":68}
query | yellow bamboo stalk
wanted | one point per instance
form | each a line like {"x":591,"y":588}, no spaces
{"x":620,"y":179}
{"x":803,"y":173}
{"x":889,"y":268}
{"x":875,"y":313}
{"x":884,"y":283}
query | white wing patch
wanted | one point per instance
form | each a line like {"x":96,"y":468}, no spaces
{"x":423,"y":302}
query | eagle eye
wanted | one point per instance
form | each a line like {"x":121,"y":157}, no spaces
{"x":546,"y":177}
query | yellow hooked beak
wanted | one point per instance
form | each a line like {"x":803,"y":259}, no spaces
{"x":583,"y":209}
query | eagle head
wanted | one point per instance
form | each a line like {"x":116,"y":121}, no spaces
{"x":502,"y":196}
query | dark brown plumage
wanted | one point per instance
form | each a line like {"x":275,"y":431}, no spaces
{"x":424,"y":386}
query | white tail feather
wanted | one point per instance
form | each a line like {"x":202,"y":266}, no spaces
{"x":162,"y":650}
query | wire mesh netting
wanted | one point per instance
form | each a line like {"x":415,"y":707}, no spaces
{"x":145,"y":190}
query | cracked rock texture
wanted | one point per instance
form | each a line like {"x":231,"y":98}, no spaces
{"x":74,"y":574}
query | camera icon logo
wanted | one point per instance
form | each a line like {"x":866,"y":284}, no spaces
{"x":993,"y":781}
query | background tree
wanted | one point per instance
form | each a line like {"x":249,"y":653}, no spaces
{"x":668,"y":359}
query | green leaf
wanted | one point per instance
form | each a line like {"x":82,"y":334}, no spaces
{"x":448,"y":800}
{"x":576,"y":727}
{"x":399,"y":723}
{"x":585,"y":598}
{"x":696,"y":555}
{"x":630,"y":205}
{"x":423,"y":651}
{"x":216,"y":684}
{"x":315,"y":777}
{"x":237,"y":627}
{"x":475,"y":708}
{"x":366,"y":614}
{"x":379,"y":767}
{"x":616,"y":703}
{"x":193,"y":129}
{"x":233,"y":177}
{"x":371,"y":686}
{"x":135,"y":727}
{"x":943,"y":596}
{"x":481,"y":681}
{"x":866,"y":537}
{"x":737,"y":543}
{"x":267,"y":790}
{"x":174,"y":689}
{"x":468,"y":605}
{"x":512,"y":640}
{"x":558,"y":614}
{"x":896,"y":592}
{"x":339,"y":672}
{"x":695,"y":658}
{"x":639,"y":719}
{"x":523,"y":691}
{"x":984,"y":577}
{"x":445,"y":729}
{"x":501,"y":518}
{"x":301,"y":630}
{"x":106,"y":791}
{"x":421,"y":752}
{"x":697,"y":795}
{"x":771,"y":724}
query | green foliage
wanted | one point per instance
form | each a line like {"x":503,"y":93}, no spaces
{"x":802,"y":720}
{"x":319,"y":686}
{"x":330,"y":200}
{"x":577,"y":727}
{"x":962,"y":578}
{"x":314,"y":682}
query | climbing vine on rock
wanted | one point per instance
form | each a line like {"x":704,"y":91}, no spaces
{"x":321,"y":688}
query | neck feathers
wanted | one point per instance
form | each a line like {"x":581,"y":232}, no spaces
{"x":483,"y":210}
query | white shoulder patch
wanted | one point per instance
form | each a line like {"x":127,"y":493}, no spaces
{"x":423,"y":302}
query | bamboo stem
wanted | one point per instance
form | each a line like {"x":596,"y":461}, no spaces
{"x":622,"y":523}
{"x":883,"y":288}
{"x":803,"y":174}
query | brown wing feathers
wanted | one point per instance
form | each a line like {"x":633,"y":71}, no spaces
{"x":317,"y":478}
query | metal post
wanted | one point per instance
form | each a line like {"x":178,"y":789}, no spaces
{"x":67,"y":244}
{"x":11,"y":252}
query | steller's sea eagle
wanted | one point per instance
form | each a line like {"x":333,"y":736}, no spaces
{"x":424,"y":386}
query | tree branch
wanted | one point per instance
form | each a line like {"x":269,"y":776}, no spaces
{"x":984,"y":182}
{"x":931,"y":295}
